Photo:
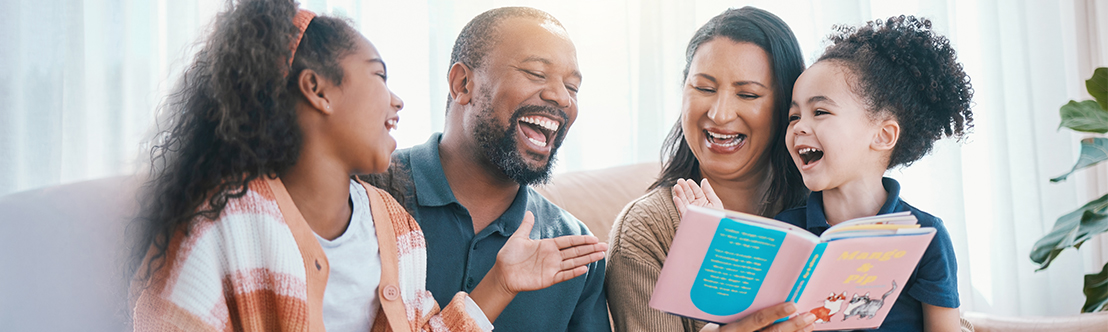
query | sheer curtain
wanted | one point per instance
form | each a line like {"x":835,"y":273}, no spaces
{"x":82,"y":81}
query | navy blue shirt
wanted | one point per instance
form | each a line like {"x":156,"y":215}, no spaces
{"x":935,"y":279}
{"x":457,"y":259}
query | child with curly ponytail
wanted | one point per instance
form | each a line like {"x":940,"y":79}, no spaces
{"x":253,"y":220}
{"x":878,"y":98}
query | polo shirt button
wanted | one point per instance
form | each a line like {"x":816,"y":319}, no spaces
{"x":390,"y":292}
{"x":469,"y":283}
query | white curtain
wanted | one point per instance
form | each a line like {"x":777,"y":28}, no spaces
{"x":82,"y":80}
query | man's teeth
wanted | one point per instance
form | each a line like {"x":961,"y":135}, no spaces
{"x":537,"y":142}
{"x":391,"y":123}
{"x":545,"y":123}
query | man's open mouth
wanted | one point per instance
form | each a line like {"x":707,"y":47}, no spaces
{"x":810,"y":155}
{"x":540,"y":130}
{"x":724,"y":140}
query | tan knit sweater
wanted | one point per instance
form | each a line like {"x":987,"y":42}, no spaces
{"x":639,"y":243}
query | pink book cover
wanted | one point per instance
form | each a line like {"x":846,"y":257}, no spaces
{"x":722,"y":267}
{"x":855,"y":281}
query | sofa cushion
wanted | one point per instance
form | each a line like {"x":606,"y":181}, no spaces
{"x":597,"y":196}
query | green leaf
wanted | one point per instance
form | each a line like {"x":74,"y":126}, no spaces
{"x":1086,"y":116}
{"x":1096,"y":291}
{"x":1093,"y":151}
{"x":1098,"y":86}
{"x":1071,"y":230}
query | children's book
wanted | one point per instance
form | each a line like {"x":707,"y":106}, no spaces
{"x":724,"y":265}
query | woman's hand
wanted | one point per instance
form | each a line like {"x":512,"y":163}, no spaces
{"x":686,"y":193}
{"x":759,"y":321}
{"x":524,"y":264}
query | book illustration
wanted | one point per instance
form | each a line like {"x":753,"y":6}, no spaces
{"x":864,"y":307}
{"x":831,"y":305}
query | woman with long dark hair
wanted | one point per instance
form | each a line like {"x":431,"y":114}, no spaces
{"x":739,"y":73}
{"x":252,"y":220}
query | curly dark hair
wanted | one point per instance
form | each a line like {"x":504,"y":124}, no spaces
{"x":762,"y":28}
{"x":903,"y":68}
{"x":231,"y":118}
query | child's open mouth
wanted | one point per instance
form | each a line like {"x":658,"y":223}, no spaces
{"x":810,"y":155}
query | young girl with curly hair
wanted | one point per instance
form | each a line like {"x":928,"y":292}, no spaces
{"x":252,"y":220}
{"x":879,"y":97}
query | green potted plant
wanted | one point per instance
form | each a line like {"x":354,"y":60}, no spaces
{"x":1090,"y":220}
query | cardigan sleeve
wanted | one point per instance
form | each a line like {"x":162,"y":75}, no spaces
{"x":217,"y":278}
{"x":640,"y":240}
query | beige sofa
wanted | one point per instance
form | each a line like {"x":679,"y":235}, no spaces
{"x":62,"y":250}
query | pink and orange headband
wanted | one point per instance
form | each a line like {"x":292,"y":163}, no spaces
{"x":301,"y":20}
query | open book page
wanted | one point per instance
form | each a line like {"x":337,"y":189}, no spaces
{"x":855,"y":281}
{"x":720,"y":269}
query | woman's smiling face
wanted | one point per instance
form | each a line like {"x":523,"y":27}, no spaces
{"x":727,"y":111}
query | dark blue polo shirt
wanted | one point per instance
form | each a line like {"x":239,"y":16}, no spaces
{"x":935,"y":279}
{"x":457,"y":258}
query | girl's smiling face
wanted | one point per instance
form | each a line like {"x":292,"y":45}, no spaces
{"x":365,"y":111}
{"x":727,"y":114}
{"x":832,"y":138}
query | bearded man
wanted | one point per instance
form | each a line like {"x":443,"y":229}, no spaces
{"x":513,"y":95}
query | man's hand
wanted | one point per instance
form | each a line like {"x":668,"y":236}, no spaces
{"x":759,"y":321}
{"x":686,"y":193}
{"x":524,"y":264}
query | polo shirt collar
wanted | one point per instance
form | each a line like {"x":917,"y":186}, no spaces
{"x":434,"y":190}
{"x":511,"y":218}
{"x":817,"y":221}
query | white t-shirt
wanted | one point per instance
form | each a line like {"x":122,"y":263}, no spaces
{"x":350,"y":300}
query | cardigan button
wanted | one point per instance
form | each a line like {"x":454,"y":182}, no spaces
{"x":390,"y":292}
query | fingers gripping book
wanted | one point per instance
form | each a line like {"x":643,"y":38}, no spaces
{"x":724,"y":265}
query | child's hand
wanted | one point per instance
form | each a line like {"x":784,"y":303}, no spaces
{"x":686,"y":193}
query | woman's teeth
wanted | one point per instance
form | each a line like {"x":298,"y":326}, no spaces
{"x":725,"y":140}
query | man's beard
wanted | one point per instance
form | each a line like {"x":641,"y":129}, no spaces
{"x":501,"y":147}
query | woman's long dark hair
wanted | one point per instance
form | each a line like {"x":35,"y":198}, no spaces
{"x":762,"y":28}
{"x":231,"y":118}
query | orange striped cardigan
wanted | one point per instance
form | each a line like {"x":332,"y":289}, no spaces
{"x":259,"y":267}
